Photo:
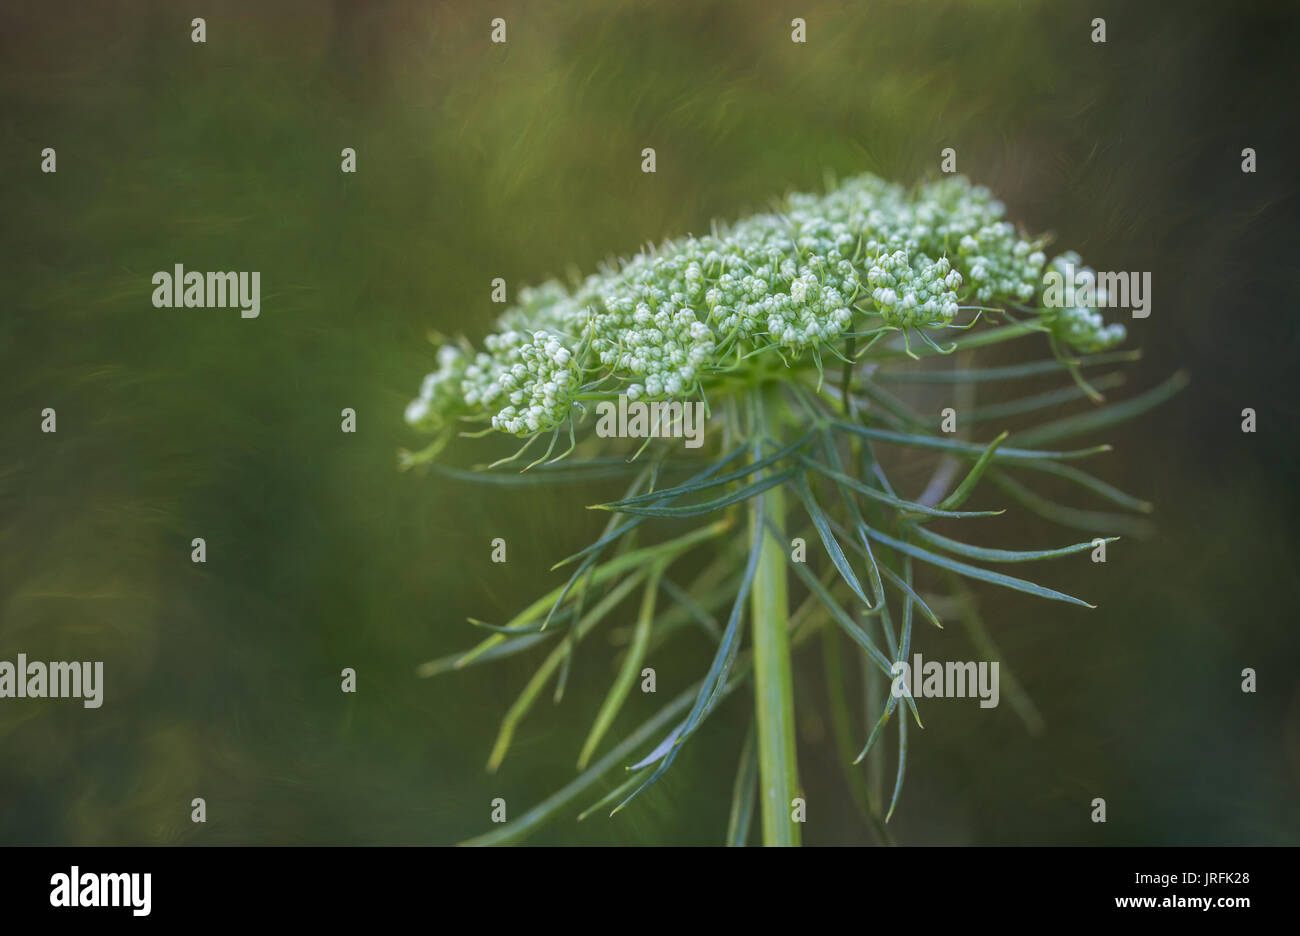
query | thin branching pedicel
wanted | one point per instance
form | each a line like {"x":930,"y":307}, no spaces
{"x":748,"y":321}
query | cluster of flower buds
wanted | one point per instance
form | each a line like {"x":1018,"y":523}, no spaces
{"x":914,"y":292}
{"x":1081,"y":326}
{"x":659,"y":324}
{"x":442,"y":395}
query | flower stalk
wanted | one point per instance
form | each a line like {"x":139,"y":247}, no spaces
{"x":778,"y":769}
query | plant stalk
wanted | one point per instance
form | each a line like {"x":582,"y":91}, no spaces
{"x":778,"y":772}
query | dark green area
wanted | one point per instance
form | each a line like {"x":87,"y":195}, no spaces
{"x":523,"y":161}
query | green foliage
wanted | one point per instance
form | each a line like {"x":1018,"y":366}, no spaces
{"x":746,"y":319}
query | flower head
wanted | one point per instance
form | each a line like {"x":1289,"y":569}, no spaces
{"x":661,"y":323}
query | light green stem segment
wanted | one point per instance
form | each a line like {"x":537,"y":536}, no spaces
{"x":778,"y":770}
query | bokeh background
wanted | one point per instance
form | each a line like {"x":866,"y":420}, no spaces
{"x":523,"y":161}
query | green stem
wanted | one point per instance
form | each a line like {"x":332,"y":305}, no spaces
{"x":773,"y":684}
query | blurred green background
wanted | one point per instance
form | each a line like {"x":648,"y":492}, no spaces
{"x":523,"y":161}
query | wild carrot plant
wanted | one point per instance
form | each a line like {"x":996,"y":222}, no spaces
{"x":797,"y":332}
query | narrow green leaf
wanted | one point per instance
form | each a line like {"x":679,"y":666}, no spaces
{"x":631,"y":668}
{"x":517,"y":829}
{"x":501,"y":629}
{"x":534,"y":687}
{"x":744,"y":793}
{"x":617,"y":793}
{"x":990,"y":336}
{"x":982,"y":338}
{"x":715,"y":680}
{"x":694,"y":510}
{"x":822,"y":525}
{"x":1003,"y":555}
{"x":963,"y":490}
{"x":916,"y":440}
{"x":970,"y":571}
{"x":571,"y":639}
{"x":1091,"y":521}
{"x":846,"y":622}
{"x":496,"y":651}
{"x":841,"y":617}
{"x":902,"y":767}
{"x":873,"y":571}
{"x":601,"y":542}
{"x":891,"y":703}
{"x":903,"y":414}
{"x":910,"y":593}
{"x":891,"y":500}
{"x":1071,"y":426}
{"x":661,"y":749}
{"x":1048,"y":400}
{"x":567,"y":475}
{"x":603,"y":573}
{"x":1011,"y":372}
{"x":1088,"y":482}
{"x":589,"y":562}
{"x":611,"y":535}
{"x":685,"y":488}
{"x":905,"y":646}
